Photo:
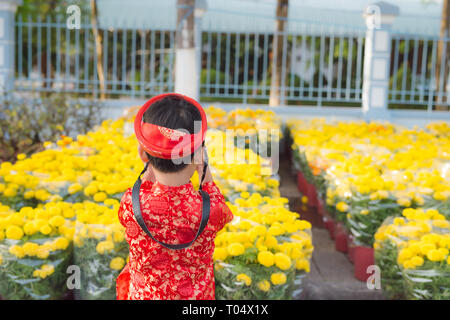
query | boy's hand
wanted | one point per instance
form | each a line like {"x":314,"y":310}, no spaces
{"x":199,"y":167}
{"x":208,"y":175}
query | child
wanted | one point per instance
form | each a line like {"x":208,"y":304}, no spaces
{"x":166,"y":259}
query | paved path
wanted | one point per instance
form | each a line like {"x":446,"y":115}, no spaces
{"x":331,"y":275}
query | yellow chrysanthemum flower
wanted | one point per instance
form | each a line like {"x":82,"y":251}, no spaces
{"x":282,"y":261}
{"x":244,"y":278}
{"x":117,"y":263}
{"x":342,"y":206}
{"x":235,"y":249}
{"x":264,"y":285}
{"x":266,"y":258}
{"x":17,"y":251}
{"x":278,"y":278}
{"x":30,"y":248}
{"x":14,"y":233}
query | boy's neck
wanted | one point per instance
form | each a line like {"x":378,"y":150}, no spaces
{"x":174,"y":179}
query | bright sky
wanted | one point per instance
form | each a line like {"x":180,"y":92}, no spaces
{"x":415,"y":15}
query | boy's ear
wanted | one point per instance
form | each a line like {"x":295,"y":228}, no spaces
{"x":142,"y":154}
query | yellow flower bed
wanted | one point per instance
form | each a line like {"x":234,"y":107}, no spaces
{"x":244,"y":119}
{"x":100,"y":249}
{"x":72,"y":189}
{"x":35,"y":250}
{"x":239,"y":170}
{"x":255,"y":129}
{"x":412,"y":252}
{"x":368,"y":171}
{"x":261,"y":253}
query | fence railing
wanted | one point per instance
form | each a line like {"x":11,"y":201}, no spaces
{"x":51,"y":57}
{"x":418,"y":71}
{"x":321,"y":68}
{"x":314,"y":67}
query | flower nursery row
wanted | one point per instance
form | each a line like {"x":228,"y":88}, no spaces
{"x":58,"y":218}
{"x":383,"y":188}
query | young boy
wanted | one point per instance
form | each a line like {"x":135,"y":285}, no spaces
{"x":163,"y":263}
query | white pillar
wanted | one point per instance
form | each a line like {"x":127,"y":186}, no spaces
{"x":7,"y":41}
{"x":186,"y":73}
{"x":377,"y":55}
{"x":187,"y":59}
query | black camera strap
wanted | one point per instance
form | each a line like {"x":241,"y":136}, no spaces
{"x":136,"y":203}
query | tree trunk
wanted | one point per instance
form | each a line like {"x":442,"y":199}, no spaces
{"x":186,"y":70}
{"x":442,"y":105}
{"x":46,"y":66}
{"x":277,"y":55}
{"x":98,"y":48}
{"x":185,"y":24}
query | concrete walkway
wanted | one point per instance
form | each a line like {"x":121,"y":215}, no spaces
{"x":331,"y":275}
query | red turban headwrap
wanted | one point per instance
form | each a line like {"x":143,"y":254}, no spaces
{"x":166,"y":143}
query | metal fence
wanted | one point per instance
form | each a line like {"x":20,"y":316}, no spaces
{"x":418,"y":72}
{"x":51,"y":57}
{"x":321,"y":66}
{"x":315,"y":67}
